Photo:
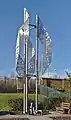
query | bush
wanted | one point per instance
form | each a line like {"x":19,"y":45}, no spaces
{"x":51,"y":103}
{"x":16,"y":104}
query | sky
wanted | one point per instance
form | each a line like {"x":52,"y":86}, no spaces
{"x":56,"y":17}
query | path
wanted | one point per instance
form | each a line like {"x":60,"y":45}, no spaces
{"x":29,"y":117}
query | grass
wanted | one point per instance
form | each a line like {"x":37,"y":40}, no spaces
{"x":4,"y":97}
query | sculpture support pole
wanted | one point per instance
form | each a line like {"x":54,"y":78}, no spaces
{"x":26,"y":76}
{"x":36,"y":62}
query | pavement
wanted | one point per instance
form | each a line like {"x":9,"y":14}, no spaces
{"x":28,"y":117}
{"x":32,"y":117}
{"x":59,"y":116}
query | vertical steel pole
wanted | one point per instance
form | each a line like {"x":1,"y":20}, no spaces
{"x":17,"y":84}
{"x":23,"y":98}
{"x":26,"y":76}
{"x":36,"y":63}
{"x":24,"y":84}
{"x":26,"y":35}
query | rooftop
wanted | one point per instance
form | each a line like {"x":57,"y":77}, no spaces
{"x":54,"y":75}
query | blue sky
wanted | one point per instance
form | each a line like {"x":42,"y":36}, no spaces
{"x":56,"y":17}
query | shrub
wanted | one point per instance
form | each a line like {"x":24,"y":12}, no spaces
{"x":16,"y":104}
{"x":51,"y":103}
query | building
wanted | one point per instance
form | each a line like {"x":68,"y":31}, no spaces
{"x":54,"y":81}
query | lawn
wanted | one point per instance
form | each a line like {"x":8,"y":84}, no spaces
{"x":5,"y":97}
